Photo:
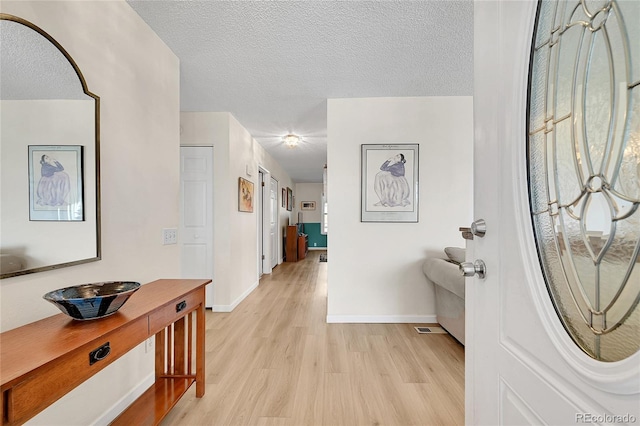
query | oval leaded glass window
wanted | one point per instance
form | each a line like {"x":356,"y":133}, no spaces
{"x":584,"y":168}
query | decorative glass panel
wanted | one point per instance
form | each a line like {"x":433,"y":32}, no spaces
{"x":584,"y":168}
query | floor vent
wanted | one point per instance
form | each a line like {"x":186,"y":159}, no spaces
{"x":430,"y":330}
{"x":323,"y":257}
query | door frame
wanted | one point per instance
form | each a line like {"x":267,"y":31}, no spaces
{"x":276,"y":219}
{"x":264,"y":214}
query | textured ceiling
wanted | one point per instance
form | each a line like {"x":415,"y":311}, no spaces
{"x":33,"y":68}
{"x":274,"y":64}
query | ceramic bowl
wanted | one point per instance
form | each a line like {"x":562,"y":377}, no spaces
{"x":94,"y":300}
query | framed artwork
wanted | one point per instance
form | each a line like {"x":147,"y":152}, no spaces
{"x":289,"y":199}
{"x":307,"y":205}
{"x":56,"y":183}
{"x":284,"y":197}
{"x":245,"y":195}
{"x":389,"y":183}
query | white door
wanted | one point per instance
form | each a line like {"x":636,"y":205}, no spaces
{"x":521,"y":365}
{"x":273,"y":222}
{"x":263,"y":267}
{"x":196,"y":214}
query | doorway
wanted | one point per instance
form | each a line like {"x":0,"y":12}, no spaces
{"x":267,"y":222}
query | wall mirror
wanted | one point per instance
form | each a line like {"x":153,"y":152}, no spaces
{"x":49,"y":155}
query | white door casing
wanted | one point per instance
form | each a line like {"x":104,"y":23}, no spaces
{"x":265,"y":214}
{"x":260,"y":217}
{"x":196,"y":214}
{"x":521,"y":365}
{"x":273,"y":221}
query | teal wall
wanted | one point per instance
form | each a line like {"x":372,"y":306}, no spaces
{"x":316,"y":239}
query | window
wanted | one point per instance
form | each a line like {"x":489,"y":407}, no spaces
{"x":325,"y":216}
{"x":584,"y":152}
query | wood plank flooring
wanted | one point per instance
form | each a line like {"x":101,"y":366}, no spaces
{"x":274,"y":361}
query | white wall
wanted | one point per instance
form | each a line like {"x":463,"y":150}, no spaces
{"x":137,"y":79}
{"x":235,"y":270}
{"x":308,"y":192}
{"x":375,"y":274}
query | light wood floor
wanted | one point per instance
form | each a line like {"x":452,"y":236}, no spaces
{"x":275,"y":361}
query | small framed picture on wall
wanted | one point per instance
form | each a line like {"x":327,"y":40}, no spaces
{"x":307,"y":205}
{"x":289,"y":199}
{"x":245,"y":195}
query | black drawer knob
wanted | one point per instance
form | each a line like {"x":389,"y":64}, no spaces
{"x":180,"y":306}
{"x":99,"y":354}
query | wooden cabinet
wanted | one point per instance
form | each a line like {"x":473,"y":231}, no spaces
{"x":44,"y":360}
{"x":296,"y":244}
{"x":303,"y":246}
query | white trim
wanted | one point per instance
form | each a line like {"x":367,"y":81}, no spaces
{"x":108,"y":416}
{"x":317,"y":248}
{"x":264,"y":212}
{"x":382,"y":319}
{"x":235,"y":303}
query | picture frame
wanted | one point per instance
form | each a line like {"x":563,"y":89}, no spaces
{"x":245,"y":195}
{"x":284,"y":197}
{"x":389,"y":182}
{"x":307,"y":205}
{"x":56,"y":183}
{"x":289,"y":199}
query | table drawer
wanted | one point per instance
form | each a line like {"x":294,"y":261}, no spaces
{"x":51,"y":381}
{"x":176,"y":309}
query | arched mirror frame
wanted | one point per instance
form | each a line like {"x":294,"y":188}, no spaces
{"x":96,"y":98}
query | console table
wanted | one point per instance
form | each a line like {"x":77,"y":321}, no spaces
{"x":46,"y":359}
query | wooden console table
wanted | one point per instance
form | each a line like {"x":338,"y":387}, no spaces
{"x":46,"y":359}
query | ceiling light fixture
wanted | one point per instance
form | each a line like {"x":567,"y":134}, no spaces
{"x":291,"y":140}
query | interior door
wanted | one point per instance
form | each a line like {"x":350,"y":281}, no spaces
{"x":273,"y":222}
{"x":522,"y":366}
{"x":196,"y":214}
{"x":262,"y":248}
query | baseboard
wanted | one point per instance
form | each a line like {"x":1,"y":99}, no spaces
{"x":382,"y":319}
{"x":108,"y":416}
{"x":235,"y":303}
{"x":317,"y":248}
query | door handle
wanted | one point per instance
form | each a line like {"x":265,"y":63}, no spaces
{"x":478,"y":228}
{"x":468,"y":269}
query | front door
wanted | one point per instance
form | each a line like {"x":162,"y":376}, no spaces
{"x":522,"y":364}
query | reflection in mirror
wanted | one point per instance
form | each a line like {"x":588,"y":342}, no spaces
{"x":49,"y":155}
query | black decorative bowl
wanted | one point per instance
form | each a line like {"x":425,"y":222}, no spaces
{"x":92,"y":301}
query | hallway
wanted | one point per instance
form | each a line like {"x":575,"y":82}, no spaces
{"x":275,"y":361}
